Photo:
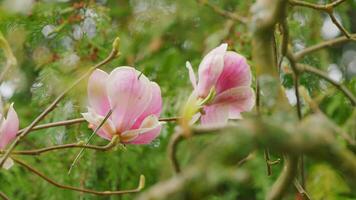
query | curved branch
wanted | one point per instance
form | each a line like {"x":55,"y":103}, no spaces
{"x":107,"y":147}
{"x":323,"y":75}
{"x":326,"y":7}
{"x":175,"y":139}
{"x":67,"y":187}
{"x":113,"y":54}
{"x":285,"y":180}
{"x":329,"y":43}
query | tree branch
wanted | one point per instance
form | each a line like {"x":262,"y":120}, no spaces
{"x":285,"y":180}
{"x":67,"y":187}
{"x":107,"y":147}
{"x":312,"y":137}
{"x":323,"y":75}
{"x":81,"y":120}
{"x":3,"y":196}
{"x":224,"y":13}
{"x":329,"y":43}
{"x":113,"y":54}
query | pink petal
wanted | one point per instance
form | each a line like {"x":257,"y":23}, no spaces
{"x":240,"y":98}
{"x":130,"y":93}
{"x":9,"y":127}
{"x":210,"y":69}
{"x":98,"y":98}
{"x":192,"y":77}
{"x":154,"y":107}
{"x":215,"y":115}
{"x":148,"y":131}
{"x":107,"y":131}
{"x":236,"y":72}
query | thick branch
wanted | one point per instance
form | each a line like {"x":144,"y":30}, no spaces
{"x":312,"y":137}
{"x":113,"y":54}
{"x":67,"y":187}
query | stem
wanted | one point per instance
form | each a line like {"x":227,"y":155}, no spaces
{"x":113,"y":54}
{"x":67,"y":187}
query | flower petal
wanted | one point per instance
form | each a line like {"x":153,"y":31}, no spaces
{"x":210,"y":69}
{"x":236,"y":72}
{"x":148,"y":131}
{"x":98,"y":98}
{"x":153,"y":108}
{"x":244,"y":97}
{"x":107,"y":131}
{"x":9,"y":127}
{"x":192,"y":77}
{"x":130,"y":93}
{"x":215,"y":115}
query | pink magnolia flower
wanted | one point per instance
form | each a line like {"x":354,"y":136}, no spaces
{"x":8,"y":127}
{"x":135,"y":101}
{"x":225,"y":84}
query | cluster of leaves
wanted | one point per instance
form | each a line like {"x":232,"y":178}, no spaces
{"x":55,"y":42}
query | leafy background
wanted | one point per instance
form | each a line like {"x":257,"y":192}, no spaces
{"x":56,"y":41}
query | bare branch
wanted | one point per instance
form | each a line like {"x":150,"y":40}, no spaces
{"x":67,"y":187}
{"x":107,"y":147}
{"x":81,"y":120}
{"x":329,"y":43}
{"x":323,"y":75}
{"x":224,"y":13}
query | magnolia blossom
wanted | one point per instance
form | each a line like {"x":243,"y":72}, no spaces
{"x":8,"y":127}
{"x":224,"y":86}
{"x":135,"y":102}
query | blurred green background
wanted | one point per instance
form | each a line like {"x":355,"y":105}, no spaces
{"x":55,"y":41}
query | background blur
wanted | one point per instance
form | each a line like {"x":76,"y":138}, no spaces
{"x":55,"y":41}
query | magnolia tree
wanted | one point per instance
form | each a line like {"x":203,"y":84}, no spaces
{"x":262,"y":120}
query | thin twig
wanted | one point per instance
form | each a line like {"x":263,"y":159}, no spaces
{"x":325,"y":7}
{"x":339,"y":26}
{"x":329,"y":43}
{"x":67,"y":187}
{"x":81,"y":120}
{"x":113,"y":54}
{"x":176,"y":138}
{"x":328,"y":8}
{"x":107,"y":147}
{"x":323,"y":75}
{"x":224,"y":13}
{"x":90,"y":138}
